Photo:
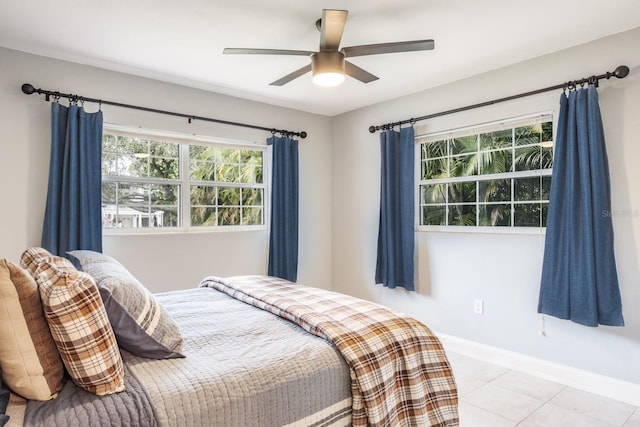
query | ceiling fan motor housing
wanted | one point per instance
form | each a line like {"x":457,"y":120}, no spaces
{"x":325,"y":62}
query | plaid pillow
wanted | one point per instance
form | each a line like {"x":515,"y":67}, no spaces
{"x":32,"y":257}
{"x":80,"y":328}
{"x":30,"y":361}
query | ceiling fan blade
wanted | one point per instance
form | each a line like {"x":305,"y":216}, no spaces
{"x":358,"y":73}
{"x":291,"y":76}
{"x":376,"y":49}
{"x":249,"y":51}
{"x":331,"y":29}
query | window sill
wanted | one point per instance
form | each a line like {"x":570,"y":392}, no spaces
{"x":181,"y":230}
{"x":482,"y":230}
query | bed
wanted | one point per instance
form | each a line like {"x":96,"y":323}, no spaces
{"x":262,"y":351}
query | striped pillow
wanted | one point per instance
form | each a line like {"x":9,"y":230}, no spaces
{"x":31,"y":364}
{"x":142,"y":326}
{"x":80,"y":328}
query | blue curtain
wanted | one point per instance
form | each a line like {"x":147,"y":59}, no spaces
{"x":73,"y":218}
{"x":396,"y":233}
{"x":283,"y":239}
{"x":579,"y":278}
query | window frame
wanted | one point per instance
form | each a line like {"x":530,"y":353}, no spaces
{"x":509,"y":123}
{"x":185,"y":182}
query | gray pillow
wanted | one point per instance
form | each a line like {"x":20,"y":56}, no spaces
{"x":141,"y":325}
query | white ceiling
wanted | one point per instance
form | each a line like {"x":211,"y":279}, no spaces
{"x":182,"y":41}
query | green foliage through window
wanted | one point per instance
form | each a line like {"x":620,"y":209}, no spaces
{"x":143,"y":187}
{"x":488,"y":178}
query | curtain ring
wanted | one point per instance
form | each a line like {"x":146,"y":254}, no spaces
{"x":100,"y":105}
{"x":412,"y":121}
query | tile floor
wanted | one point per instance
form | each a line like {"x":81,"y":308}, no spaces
{"x":494,"y":396}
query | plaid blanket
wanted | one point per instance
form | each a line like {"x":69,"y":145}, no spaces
{"x":400,"y":375}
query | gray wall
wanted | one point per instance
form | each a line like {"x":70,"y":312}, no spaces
{"x":161,"y":261}
{"x":453,"y":269}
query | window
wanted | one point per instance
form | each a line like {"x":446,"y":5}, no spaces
{"x":155,"y":181}
{"x":496,"y":175}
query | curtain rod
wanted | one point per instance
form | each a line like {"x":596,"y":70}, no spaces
{"x":620,"y":72}
{"x":28,"y":89}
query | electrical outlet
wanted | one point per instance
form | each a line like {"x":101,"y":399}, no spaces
{"x":478,"y":306}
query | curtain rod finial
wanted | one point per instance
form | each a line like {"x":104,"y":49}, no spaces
{"x":621,"y":72}
{"x":372,"y":129}
{"x":303,"y":134}
{"x":28,"y":88}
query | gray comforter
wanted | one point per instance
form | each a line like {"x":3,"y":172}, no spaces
{"x":243,"y":367}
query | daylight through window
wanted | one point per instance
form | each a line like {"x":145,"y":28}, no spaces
{"x":155,"y":182}
{"x":496,"y":175}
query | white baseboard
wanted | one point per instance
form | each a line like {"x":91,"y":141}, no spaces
{"x":602,"y":385}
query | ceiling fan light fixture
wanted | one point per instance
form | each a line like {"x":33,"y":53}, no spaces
{"x":327,"y":68}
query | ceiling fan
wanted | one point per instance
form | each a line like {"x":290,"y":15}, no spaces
{"x":328,"y":66}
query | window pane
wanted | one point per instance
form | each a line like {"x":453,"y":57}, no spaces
{"x":163,"y":194}
{"x":133,"y":146}
{"x":252,"y":197}
{"x":547,"y":131}
{"x":227,"y":172}
{"x":229,"y":216}
{"x":251,"y":174}
{"x":529,"y":135}
{"x":546,"y":160}
{"x":435,"y":168}
{"x":203,"y":216}
{"x":463,"y":165}
{"x":163,"y":149}
{"x":462,"y":215}
{"x":251,"y":216}
{"x":527,"y":214}
{"x":462,"y":192}
{"x":498,"y":190}
{"x":497,"y":139}
{"x":434,"y":149}
{"x":434,"y":215}
{"x":133,"y":193}
{"x":164,"y":216}
{"x":495,"y":215}
{"x":109,"y":164}
{"x":150,"y":202}
{"x":491,"y":162}
{"x":527,"y":189}
{"x":517,"y":160}
{"x":465,"y":144}
{"x":528,"y":158}
{"x":228,"y":196}
{"x":253,"y":157}
{"x":228,"y":155}
{"x":203,"y":196}
{"x":108,"y":193}
{"x":546,"y":188}
{"x":433,"y":193}
{"x":109,"y":143}
{"x":202,"y":170}
{"x":161,"y":167}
